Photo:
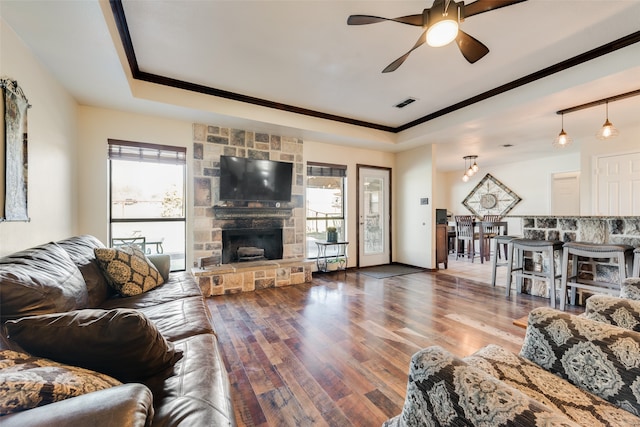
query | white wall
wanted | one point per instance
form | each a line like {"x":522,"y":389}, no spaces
{"x":350,"y":156}
{"x":52,"y":191}
{"x":95,"y":127}
{"x":415,"y":223}
{"x":529,"y":179}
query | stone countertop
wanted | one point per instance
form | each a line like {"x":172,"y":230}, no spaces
{"x":573,"y":216}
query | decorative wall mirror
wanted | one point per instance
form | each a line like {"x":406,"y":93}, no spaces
{"x":13,"y":152}
{"x":490,"y":197}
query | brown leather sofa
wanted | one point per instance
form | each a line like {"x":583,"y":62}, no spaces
{"x":63,"y":280}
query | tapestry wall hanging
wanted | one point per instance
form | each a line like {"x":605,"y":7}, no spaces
{"x":490,"y":197}
{"x":13,"y":152}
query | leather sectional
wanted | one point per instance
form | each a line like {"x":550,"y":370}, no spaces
{"x":55,"y":303}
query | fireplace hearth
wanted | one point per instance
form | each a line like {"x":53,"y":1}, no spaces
{"x":251,"y":244}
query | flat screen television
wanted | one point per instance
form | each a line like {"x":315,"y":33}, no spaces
{"x":246,"y":179}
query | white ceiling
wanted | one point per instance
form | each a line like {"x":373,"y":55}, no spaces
{"x":302,"y":53}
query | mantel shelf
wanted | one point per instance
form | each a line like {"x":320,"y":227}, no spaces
{"x":232,"y":212}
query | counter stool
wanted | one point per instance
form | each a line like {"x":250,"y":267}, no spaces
{"x":621,"y":253}
{"x":519,"y":246}
{"x":636,"y":263}
{"x":500,"y":240}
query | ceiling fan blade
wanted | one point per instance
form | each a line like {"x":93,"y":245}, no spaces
{"x":398,"y":62}
{"x":481,"y":6}
{"x":471,"y":48}
{"x":368,"y":19}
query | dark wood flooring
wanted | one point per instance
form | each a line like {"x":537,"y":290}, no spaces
{"x":336,"y":352}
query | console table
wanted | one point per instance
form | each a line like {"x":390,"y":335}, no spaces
{"x":340,"y":257}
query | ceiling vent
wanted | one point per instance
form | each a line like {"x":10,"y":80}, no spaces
{"x":405,"y":103}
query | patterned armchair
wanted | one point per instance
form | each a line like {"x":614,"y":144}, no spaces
{"x":572,"y":370}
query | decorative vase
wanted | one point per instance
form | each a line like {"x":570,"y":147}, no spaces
{"x":332,"y":236}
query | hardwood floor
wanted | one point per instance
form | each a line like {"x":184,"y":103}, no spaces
{"x":336,"y":352}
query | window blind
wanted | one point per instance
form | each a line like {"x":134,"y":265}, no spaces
{"x":145,"y":152}
{"x":324,"y":169}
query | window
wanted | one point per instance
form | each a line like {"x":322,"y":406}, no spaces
{"x":147,"y":198}
{"x":325,"y":203}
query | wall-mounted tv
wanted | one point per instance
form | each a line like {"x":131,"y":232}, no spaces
{"x":246,"y":179}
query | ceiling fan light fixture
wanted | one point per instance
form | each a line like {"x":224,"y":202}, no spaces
{"x":442,"y":32}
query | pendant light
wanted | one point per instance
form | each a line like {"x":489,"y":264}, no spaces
{"x":607,"y":130}
{"x":563,"y":139}
{"x":473,"y":168}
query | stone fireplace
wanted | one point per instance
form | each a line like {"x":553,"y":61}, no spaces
{"x":215,"y":219}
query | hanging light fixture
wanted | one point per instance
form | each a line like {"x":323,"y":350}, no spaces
{"x":563,"y":139}
{"x":607,"y":130}
{"x":472,"y":169}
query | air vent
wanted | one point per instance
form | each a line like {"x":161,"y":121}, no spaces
{"x":507,"y":145}
{"x":405,"y":102}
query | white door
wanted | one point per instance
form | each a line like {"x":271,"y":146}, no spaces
{"x":565,"y":194}
{"x":374,"y":231}
{"x":618,"y":185}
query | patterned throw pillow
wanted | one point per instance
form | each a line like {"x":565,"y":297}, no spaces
{"x":27,"y":381}
{"x":128,"y":270}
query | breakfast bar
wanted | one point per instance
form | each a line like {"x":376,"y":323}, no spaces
{"x":590,"y":229}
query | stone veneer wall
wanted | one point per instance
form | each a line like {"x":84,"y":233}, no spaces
{"x":209,"y":143}
{"x":607,"y":230}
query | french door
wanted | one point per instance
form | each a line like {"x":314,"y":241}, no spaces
{"x":374,"y":215}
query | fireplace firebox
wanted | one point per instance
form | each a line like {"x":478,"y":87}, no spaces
{"x":252,"y":244}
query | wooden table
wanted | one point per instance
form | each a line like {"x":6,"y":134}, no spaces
{"x":503,"y":230}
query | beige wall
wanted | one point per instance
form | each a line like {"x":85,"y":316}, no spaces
{"x":415,"y":222}
{"x":52,"y":190}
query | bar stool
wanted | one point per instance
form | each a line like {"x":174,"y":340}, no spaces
{"x":636,"y":263}
{"x":519,"y":246}
{"x":621,"y":253}
{"x":500,"y":240}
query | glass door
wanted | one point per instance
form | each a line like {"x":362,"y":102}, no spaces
{"x":374,"y":232}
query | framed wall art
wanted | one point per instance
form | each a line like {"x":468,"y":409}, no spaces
{"x":490,"y":197}
{"x":13,"y":152}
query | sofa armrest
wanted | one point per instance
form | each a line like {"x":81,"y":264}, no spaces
{"x":630,"y":288}
{"x":444,"y":390}
{"x":162,"y":263}
{"x":124,"y":405}
{"x":614,"y":311}
{"x":600,"y":358}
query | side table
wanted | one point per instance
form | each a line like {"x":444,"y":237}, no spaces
{"x":340,"y":257}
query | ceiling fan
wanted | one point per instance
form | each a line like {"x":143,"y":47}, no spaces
{"x":440,"y":24}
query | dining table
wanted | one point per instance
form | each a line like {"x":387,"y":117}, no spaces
{"x":503,"y":229}
{"x":480,"y":227}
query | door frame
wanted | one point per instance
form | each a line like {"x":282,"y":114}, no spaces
{"x":390,"y":189}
